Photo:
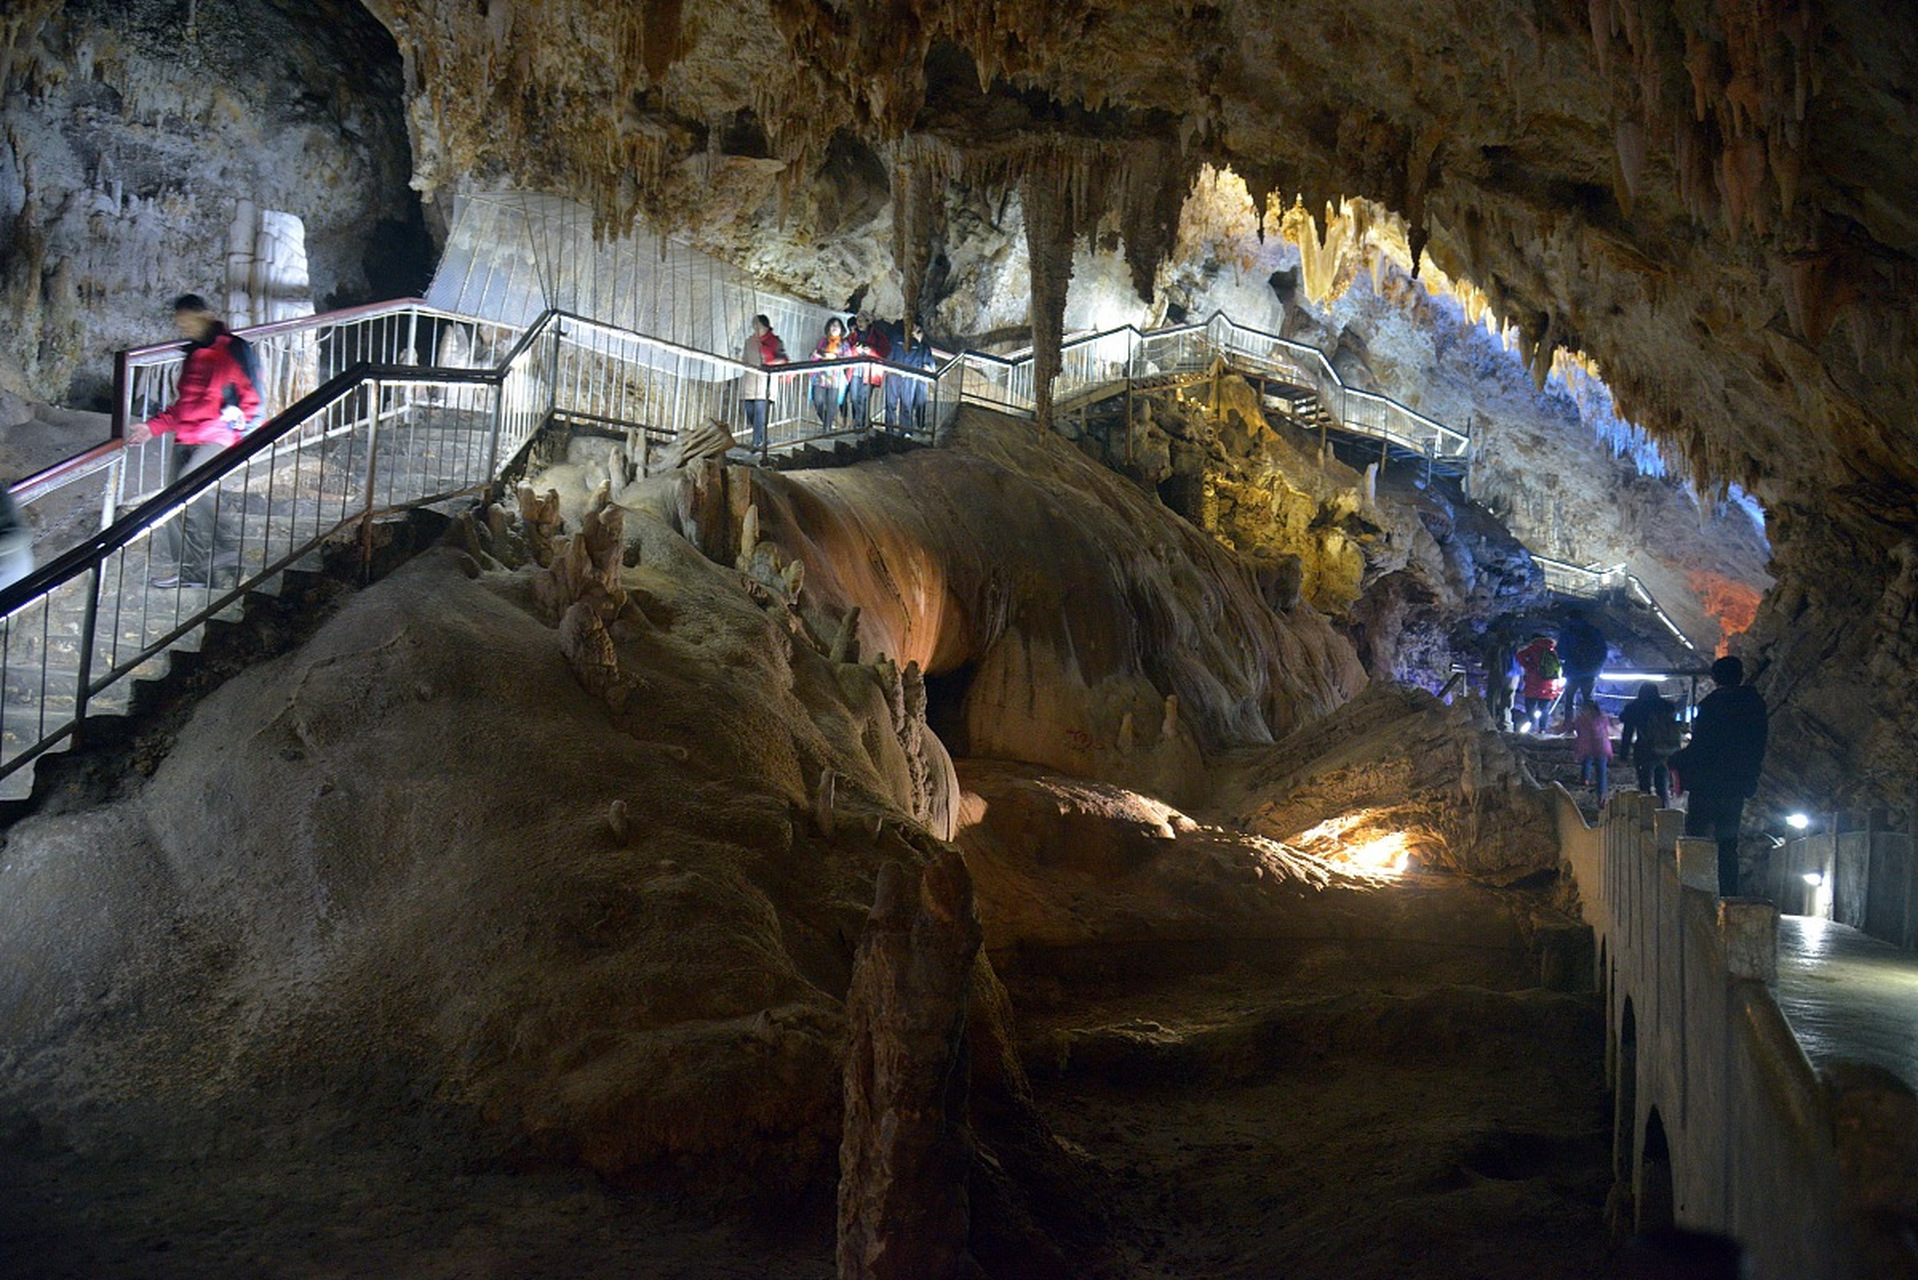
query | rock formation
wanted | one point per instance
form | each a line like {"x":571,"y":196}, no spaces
{"x":905,"y":1155}
{"x":140,"y":135}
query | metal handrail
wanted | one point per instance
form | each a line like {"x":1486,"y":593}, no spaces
{"x":548,"y":370}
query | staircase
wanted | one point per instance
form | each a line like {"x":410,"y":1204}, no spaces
{"x":371,"y":431}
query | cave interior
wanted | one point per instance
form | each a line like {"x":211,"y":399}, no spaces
{"x":1089,"y":837}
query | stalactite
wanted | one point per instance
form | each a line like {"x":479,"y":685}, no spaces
{"x":919,"y":178}
{"x":1045,"y":195}
{"x":1629,"y":144}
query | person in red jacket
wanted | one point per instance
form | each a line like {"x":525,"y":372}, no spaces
{"x":1541,"y":679}
{"x":867,"y":337}
{"x":218,"y":398}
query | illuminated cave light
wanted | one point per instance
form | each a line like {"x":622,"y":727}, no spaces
{"x":1353,"y":843}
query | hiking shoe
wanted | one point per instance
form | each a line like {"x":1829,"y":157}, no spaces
{"x":182,"y":581}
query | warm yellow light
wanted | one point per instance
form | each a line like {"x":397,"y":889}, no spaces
{"x":1349,"y":842}
{"x":1387,"y":855}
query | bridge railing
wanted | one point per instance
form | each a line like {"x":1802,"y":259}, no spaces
{"x":294,"y":358}
{"x":1720,"y":1122}
{"x":1593,"y":581}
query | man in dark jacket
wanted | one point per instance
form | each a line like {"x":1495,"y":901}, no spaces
{"x":1720,"y":767}
{"x":217,"y":400}
{"x":1582,"y":648}
{"x":1649,"y":725}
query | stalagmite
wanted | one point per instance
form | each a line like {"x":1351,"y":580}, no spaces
{"x":905,"y":1152}
{"x":845,"y":642}
{"x":822,"y":802}
{"x":1046,"y":200}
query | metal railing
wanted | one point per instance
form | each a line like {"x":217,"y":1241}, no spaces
{"x":1592,"y":581}
{"x":367,"y":430}
{"x":376,"y":438}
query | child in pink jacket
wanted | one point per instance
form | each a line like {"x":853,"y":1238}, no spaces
{"x":1592,"y":744}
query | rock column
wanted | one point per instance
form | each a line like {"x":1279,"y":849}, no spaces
{"x":905,"y":1154}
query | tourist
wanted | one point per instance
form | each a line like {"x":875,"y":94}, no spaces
{"x":1539,"y":679}
{"x":1592,"y":746}
{"x":218,"y":398}
{"x":1583,"y":650}
{"x":868,"y":339}
{"x":906,"y":396}
{"x":762,"y":350}
{"x":1649,"y":733}
{"x":1720,"y":767}
{"x":828,"y":384}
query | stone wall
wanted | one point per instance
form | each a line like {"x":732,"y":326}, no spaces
{"x":139,"y":131}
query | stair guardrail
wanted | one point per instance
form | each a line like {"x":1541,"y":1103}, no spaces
{"x":359,"y":394}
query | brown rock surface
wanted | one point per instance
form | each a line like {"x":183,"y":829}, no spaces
{"x":905,"y":1154}
{"x":1397,"y":771}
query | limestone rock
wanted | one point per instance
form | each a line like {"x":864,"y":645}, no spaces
{"x":905,"y":1155}
{"x":709,"y":439}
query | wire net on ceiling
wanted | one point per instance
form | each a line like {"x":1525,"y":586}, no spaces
{"x":512,"y":255}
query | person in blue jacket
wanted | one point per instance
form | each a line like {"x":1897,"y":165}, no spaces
{"x":906,"y":397}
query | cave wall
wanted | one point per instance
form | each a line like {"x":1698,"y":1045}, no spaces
{"x":134,"y":129}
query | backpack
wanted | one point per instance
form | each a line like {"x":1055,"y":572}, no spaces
{"x":1549,"y":667}
{"x":1663,"y":735}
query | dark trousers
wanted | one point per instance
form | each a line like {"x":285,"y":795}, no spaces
{"x":858,"y":397}
{"x":905,"y":404}
{"x":756,"y":411}
{"x":825,"y":403}
{"x":1575,"y":686}
{"x":201,"y":540}
{"x":1717,"y":817}
{"x":1653,"y":776}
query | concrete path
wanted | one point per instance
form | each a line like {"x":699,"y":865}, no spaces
{"x":1847,"y":996}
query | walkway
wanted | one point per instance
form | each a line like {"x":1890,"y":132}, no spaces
{"x":1848,"y":996}
{"x":369,"y":426}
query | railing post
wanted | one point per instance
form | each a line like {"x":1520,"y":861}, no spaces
{"x":372,"y":476}
{"x":89,"y":624}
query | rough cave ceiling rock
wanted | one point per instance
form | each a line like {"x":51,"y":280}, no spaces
{"x":1716,"y":200}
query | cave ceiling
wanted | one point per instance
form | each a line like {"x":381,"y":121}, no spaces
{"x":1718,"y":201}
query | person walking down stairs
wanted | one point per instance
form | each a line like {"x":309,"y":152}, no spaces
{"x":218,"y":399}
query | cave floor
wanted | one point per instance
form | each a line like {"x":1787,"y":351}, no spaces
{"x":1347,"y":1127}
{"x":1332,"y":1112}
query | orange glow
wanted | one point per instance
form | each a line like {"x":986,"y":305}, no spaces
{"x":1734,"y":604}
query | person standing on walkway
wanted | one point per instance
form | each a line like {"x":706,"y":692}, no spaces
{"x":1720,"y":767}
{"x":1592,"y":746}
{"x":762,"y":350}
{"x":867,"y":338}
{"x":1648,"y":734}
{"x":1539,"y":679}
{"x":906,"y":396}
{"x":827,"y":385}
{"x":1582,"y":648}
{"x":218,"y":399}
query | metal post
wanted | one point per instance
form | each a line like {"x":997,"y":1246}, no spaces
{"x":89,"y":622}
{"x":372,"y":477}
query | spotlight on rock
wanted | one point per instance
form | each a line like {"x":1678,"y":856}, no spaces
{"x":1797,"y":821}
{"x":1814,"y":878}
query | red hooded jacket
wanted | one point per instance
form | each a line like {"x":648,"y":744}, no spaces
{"x":211,"y":379}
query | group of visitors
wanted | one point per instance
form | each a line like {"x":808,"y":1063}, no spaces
{"x":1718,"y":769}
{"x":1565,"y":666}
{"x":842,"y":398}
